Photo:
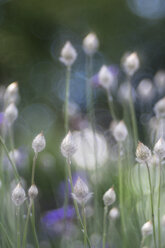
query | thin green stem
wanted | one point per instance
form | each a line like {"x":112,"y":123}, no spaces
{"x":133,"y":116}
{"x":75,"y":203}
{"x":33,"y":167}
{"x":152,"y":206}
{"x":159,"y":194}
{"x":26,"y":226}
{"x":110,"y":105}
{"x":18,"y":227}
{"x":85,"y":226}
{"x":67,"y":93}
{"x":12,"y":163}
{"x":105,"y":226}
{"x":6,"y":234}
{"x":33,"y":225}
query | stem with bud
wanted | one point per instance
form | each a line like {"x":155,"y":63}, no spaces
{"x":105,"y":226}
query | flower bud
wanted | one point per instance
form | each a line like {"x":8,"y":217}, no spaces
{"x":90,"y":44}
{"x":114,"y":213}
{"x":143,"y":153}
{"x":33,"y":192}
{"x":120,"y":131}
{"x":81,"y":192}
{"x":106,"y":78}
{"x":159,"y":108}
{"x":18,"y":195}
{"x":147,"y":229}
{"x":11,"y":94}
{"x":68,"y":54}
{"x":39,"y":143}
{"x":130,"y":63}
{"x":159,"y":80}
{"x":159,"y":148}
{"x":109,"y":197}
{"x":68,"y":147}
{"x":11,"y":114}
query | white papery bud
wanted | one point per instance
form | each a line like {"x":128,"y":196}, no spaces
{"x":90,"y":44}
{"x":39,"y":143}
{"x":11,"y":94}
{"x":130,"y":63}
{"x":106,"y":78}
{"x":143,"y":153}
{"x":11,"y":114}
{"x":81,"y":192}
{"x":68,"y":147}
{"x":159,"y":148}
{"x":33,"y":192}
{"x":147,"y":229}
{"x":120,"y":131}
{"x":68,"y":54}
{"x":18,"y":195}
{"x":160,"y":80}
{"x":145,"y":89}
{"x":159,"y":108}
{"x":114,"y":213}
{"x":109,"y":197}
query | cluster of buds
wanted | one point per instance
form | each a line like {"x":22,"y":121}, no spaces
{"x":81,"y":192}
{"x":39,"y":143}
{"x":120,"y":132}
{"x":130,"y":63}
{"x":109,"y":197}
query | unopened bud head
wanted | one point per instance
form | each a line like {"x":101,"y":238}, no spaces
{"x":130,"y":63}
{"x":11,"y":114}
{"x":114,"y":213}
{"x":33,"y":192}
{"x":81,"y":192}
{"x":159,"y":148}
{"x":18,"y":195}
{"x":120,"y":131}
{"x":90,"y":44}
{"x":159,"y":108}
{"x":68,"y":54}
{"x":109,"y":197}
{"x":143,"y":153}
{"x":147,"y":229}
{"x":106,"y":78}
{"x":68,"y":147}
{"x":39,"y":143}
{"x":11,"y":94}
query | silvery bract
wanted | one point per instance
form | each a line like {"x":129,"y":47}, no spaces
{"x":159,"y":148}
{"x":18,"y":195}
{"x":109,"y":197}
{"x":147,"y":229}
{"x":120,"y":131}
{"x":143,"y":153}
{"x":39,"y":143}
{"x":81,"y":192}
{"x":159,"y":108}
{"x":68,"y":147}
{"x":130,"y":63}
{"x":106,"y":78}
{"x":90,"y":44}
{"x":10,"y":114}
{"x":11,"y":94}
{"x":68,"y":54}
{"x":33,"y":192}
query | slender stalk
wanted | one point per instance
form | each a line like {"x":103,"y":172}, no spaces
{"x":26,"y":226}
{"x":12,"y":163}
{"x":33,"y":167}
{"x":75,"y":203}
{"x":18,"y":227}
{"x":85,"y":226}
{"x":6,"y":234}
{"x":105,"y":226}
{"x":67,"y":84}
{"x":121,"y":192}
{"x":152,"y":207}
{"x":33,"y":226}
{"x":159,"y":194}
{"x":133,"y":116}
{"x":142,"y":242}
{"x":110,"y":105}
